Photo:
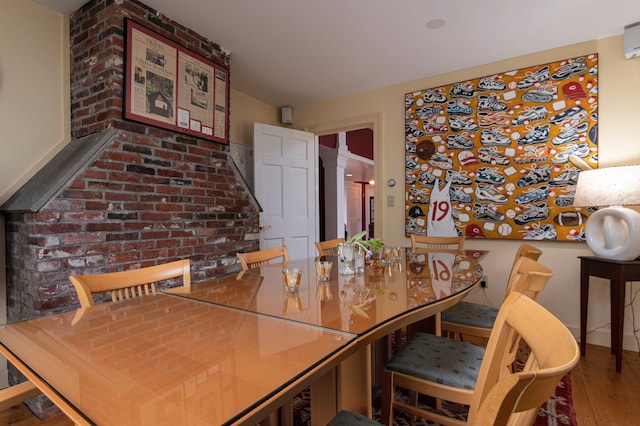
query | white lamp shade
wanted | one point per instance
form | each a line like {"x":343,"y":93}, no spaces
{"x":611,"y":186}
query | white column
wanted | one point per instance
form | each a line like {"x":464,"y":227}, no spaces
{"x":334,"y":199}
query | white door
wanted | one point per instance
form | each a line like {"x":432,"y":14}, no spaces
{"x":286,"y":182}
{"x":354,"y":209}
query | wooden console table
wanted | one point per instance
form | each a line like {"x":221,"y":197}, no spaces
{"x":618,"y":273}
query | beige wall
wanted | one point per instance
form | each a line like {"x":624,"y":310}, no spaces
{"x":244,"y":110}
{"x":34,"y":90}
{"x":34,"y":118}
{"x":619,"y":107}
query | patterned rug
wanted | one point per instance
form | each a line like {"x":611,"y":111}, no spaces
{"x":557,"y":411}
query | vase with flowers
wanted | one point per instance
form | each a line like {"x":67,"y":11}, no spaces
{"x":354,"y":251}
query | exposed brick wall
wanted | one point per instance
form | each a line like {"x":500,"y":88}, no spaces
{"x":97,"y":56}
{"x":150,"y":195}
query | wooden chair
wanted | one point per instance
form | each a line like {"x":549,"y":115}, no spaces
{"x":449,"y":369}
{"x":129,"y":284}
{"x":421,"y":241}
{"x":329,"y":247}
{"x":494,"y":395}
{"x":475,"y":319}
{"x":255,"y":259}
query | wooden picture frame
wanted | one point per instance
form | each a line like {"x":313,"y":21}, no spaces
{"x":174,"y":88}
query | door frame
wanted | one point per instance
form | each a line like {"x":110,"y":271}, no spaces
{"x":374,"y":121}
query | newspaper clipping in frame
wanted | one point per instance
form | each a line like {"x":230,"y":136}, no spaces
{"x":221,"y":104}
{"x":154,"y":76}
{"x":195,"y":103}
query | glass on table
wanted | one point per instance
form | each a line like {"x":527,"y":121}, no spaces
{"x":388,"y":256}
{"x":397,"y":254}
{"x":291,"y":278}
{"x":323,"y":270}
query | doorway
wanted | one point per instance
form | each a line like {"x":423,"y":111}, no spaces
{"x":347,"y":183}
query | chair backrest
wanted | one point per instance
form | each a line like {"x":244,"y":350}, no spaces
{"x":529,"y":277}
{"x":554,"y":352}
{"x":259,"y":258}
{"x":129,"y":284}
{"x":524,"y":250}
{"x":422,"y":241}
{"x":329,"y":247}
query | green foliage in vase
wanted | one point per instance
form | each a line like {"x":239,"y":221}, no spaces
{"x":366,"y":245}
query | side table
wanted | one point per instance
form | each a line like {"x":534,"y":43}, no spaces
{"x":618,"y":273}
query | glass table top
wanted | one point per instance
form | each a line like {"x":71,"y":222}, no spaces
{"x":166,"y":360}
{"x":355,"y":303}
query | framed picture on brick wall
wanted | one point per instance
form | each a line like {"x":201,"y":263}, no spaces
{"x":510,"y":146}
{"x":169,"y":86}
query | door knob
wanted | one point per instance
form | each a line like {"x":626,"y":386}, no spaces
{"x":262,"y":227}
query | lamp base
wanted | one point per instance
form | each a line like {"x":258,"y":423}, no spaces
{"x":614,"y":233}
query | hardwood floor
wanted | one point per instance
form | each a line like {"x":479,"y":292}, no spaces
{"x":600,"y":395}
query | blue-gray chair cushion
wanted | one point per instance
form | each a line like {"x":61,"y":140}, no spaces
{"x":472,"y":314}
{"x":346,"y":418}
{"x":439,"y":359}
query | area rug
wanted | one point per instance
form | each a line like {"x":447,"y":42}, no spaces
{"x":557,"y":411}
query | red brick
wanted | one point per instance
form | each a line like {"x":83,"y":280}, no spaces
{"x":110,"y":247}
{"x":155,"y":216}
{"x":169,"y":207}
{"x":82,"y":216}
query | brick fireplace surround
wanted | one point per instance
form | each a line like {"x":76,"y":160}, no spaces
{"x":147,"y":195}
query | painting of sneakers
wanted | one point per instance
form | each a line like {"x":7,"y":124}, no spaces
{"x":509,"y":144}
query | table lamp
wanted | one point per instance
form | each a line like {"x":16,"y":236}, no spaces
{"x":612,"y":232}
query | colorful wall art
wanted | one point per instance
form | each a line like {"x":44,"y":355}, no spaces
{"x":511,"y":145}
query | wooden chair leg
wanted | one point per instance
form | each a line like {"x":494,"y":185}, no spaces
{"x":270,"y":420}
{"x":16,"y":394}
{"x":286,"y":413}
{"x":387,"y":398}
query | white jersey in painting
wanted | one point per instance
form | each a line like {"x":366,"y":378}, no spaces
{"x":439,"y":219}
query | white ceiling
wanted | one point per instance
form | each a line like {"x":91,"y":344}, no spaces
{"x":297,"y":52}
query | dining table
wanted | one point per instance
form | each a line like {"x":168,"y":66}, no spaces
{"x":231,"y":350}
{"x":386,"y":295}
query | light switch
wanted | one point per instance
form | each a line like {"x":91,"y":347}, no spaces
{"x":390,"y":201}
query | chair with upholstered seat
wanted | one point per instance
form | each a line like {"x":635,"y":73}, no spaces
{"x":449,"y":369}
{"x":427,"y":242}
{"x":475,"y":319}
{"x":255,"y":259}
{"x":468,"y":374}
{"x":328,"y":247}
{"x":129,"y":284}
{"x":498,"y":398}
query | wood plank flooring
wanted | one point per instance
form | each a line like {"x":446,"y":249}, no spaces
{"x":601,"y":396}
